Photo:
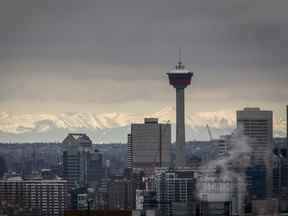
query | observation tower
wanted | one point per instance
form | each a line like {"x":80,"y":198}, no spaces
{"x":180,"y":78}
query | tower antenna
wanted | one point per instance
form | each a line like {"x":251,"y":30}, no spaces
{"x":180,"y":56}
{"x":180,"y":66}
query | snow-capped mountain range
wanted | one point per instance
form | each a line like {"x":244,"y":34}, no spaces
{"x":106,"y":127}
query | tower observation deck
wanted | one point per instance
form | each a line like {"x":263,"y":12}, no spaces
{"x":180,"y":78}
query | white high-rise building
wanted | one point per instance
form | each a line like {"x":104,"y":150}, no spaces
{"x":149,"y":145}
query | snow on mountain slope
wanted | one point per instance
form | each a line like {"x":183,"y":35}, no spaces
{"x":106,"y":127}
{"x":26,"y":122}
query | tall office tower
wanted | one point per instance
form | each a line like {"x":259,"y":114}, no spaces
{"x":81,"y":164}
{"x":277,"y":173}
{"x":280,"y":167}
{"x":257,"y":125}
{"x":149,"y":145}
{"x":180,"y":78}
{"x":39,"y":197}
{"x":95,"y":168}
{"x":129,"y":152}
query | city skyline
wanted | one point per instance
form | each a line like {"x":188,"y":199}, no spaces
{"x":151,"y":108}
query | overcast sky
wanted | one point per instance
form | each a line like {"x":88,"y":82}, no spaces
{"x":100,"y":56}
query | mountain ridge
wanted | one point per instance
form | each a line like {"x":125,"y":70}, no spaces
{"x":107,"y":127}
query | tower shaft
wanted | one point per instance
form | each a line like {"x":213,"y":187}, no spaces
{"x":180,"y":127}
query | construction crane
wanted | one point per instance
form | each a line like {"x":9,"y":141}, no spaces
{"x":209,"y":132}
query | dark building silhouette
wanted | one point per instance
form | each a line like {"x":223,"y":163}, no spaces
{"x":121,"y":193}
{"x":82,"y":165}
{"x":257,"y":126}
{"x":3,"y":167}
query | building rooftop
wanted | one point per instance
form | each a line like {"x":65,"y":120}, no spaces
{"x":251,"y":109}
{"x":150,"y":120}
{"x":78,"y":138}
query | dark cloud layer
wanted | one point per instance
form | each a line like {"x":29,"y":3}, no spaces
{"x":63,"y":43}
{"x":146,"y":32}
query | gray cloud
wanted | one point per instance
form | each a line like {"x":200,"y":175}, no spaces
{"x":110,"y":51}
{"x":138,"y":32}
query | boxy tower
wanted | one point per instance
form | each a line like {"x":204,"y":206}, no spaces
{"x":180,"y":78}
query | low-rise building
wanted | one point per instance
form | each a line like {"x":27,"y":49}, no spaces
{"x":46,"y":197}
